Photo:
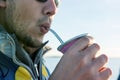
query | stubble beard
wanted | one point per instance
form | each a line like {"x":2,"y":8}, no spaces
{"x":14,"y":27}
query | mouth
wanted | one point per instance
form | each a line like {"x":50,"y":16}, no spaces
{"x":44,"y":28}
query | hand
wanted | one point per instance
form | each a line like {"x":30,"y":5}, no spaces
{"x":80,"y":63}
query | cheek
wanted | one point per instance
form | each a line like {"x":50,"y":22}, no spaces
{"x":28,"y":10}
{"x":23,"y":15}
{"x":9,"y":15}
{"x":27,"y":29}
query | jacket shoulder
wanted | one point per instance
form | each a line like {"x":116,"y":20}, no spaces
{"x":7,"y":67}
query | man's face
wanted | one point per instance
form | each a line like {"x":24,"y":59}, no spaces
{"x":30,"y":20}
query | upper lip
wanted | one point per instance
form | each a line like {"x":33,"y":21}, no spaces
{"x":46,"y":26}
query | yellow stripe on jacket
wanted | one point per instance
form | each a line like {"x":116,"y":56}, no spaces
{"x":23,"y":74}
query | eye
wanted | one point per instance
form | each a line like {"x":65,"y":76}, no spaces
{"x":42,"y":0}
{"x":57,"y":2}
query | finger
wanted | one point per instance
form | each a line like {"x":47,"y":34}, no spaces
{"x":100,"y":61}
{"x":81,"y":44}
{"x":105,"y":74}
{"x":91,"y":51}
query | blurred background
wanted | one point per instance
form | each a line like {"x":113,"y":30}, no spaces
{"x":99,"y":18}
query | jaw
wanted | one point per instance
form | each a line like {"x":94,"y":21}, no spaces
{"x":2,"y":16}
{"x":30,"y":50}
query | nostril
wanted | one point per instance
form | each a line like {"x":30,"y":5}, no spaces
{"x":48,"y":13}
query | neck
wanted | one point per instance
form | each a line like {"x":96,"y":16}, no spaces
{"x":30,"y":50}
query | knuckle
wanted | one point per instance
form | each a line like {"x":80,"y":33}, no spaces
{"x":103,"y":58}
{"x":92,"y":69}
{"x":87,"y":39}
{"x":93,"y":48}
{"x":83,"y":59}
{"x":92,"y":73}
{"x":108,"y":73}
{"x":95,"y":45}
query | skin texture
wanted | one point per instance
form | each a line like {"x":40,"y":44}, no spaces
{"x":80,"y":63}
{"x":24,"y":17}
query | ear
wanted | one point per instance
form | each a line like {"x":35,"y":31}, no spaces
{"x":2,"y":4}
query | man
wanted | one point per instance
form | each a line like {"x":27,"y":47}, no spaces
{"x":23,"y":26}
{"x":118,"y":77}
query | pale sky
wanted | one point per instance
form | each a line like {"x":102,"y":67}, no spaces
{"x":100,"y":18}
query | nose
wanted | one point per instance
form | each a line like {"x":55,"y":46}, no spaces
{"x":50,"y":8}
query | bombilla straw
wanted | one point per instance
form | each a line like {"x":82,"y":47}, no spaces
{"x":57,"y":36}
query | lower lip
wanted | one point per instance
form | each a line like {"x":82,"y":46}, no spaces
{"x":43,"y":30}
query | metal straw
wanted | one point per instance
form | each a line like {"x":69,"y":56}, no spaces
{"x":56,"y":35}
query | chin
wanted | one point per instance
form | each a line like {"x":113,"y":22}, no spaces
{"x":34,"y":44}
{"x":31,"y":42}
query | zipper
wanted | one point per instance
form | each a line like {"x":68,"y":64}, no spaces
{"x":35,"y":74}
{"x":38,"y":60}
{"x":15,"y":59}
{"x":36,"y":68}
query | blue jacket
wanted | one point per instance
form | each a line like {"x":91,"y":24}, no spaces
{"x":16,"y":64}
